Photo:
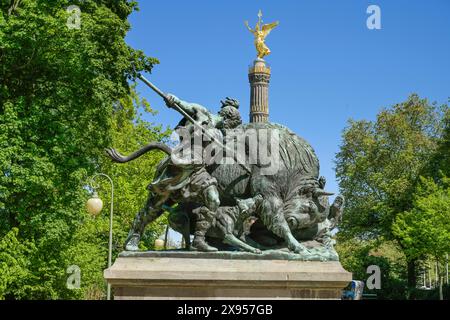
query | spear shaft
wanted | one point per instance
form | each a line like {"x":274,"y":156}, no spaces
{"x":188,"y":117}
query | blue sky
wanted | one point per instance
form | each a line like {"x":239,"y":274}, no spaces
{"x":327,"y":66}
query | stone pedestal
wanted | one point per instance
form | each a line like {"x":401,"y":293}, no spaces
{"x":190,"y":275}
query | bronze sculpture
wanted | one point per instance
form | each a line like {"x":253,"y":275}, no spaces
{"x":291,"y":206}
{"x":215,"y":200}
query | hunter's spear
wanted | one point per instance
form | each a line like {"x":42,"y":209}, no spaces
{"x":188,"y":117}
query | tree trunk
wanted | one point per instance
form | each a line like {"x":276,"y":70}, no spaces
{"x":412,"y":277}
{"x":446,"y":269}
{"x":13,"y":7}
{"x":166,"y":237}
{"x":441,"y":295}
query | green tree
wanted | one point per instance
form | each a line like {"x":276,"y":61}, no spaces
{"x":440,"y":163}
{"x":57,"y":92}
{"x":425,"y":230}
{"x":357,"y":255}
{"x":15,"y":260}
{"x":378,"y":167}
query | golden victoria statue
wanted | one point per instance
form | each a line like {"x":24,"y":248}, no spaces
{"x":260,"y":33}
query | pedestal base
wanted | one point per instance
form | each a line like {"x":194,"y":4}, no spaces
{"x":148,"y":275}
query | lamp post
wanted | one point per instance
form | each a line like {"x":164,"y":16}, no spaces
{"x":94,"y":205}
{"x":446,"y":266}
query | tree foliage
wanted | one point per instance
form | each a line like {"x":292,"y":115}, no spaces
{"x":58,"y":89}
{"x":380,"y":164}
{"x":425,"y":230}
{"x":440,"y":163}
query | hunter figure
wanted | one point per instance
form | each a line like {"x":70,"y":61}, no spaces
{"x":177,"y":179}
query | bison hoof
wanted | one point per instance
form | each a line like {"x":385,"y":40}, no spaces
{"x":299,"y":248}
{"x":132,"y":243}
{"x":201,"y":245}
{"x":302,"y":250}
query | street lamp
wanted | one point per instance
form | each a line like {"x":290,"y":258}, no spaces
{"x":159,"y":244}
{"x":94,"y":205}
